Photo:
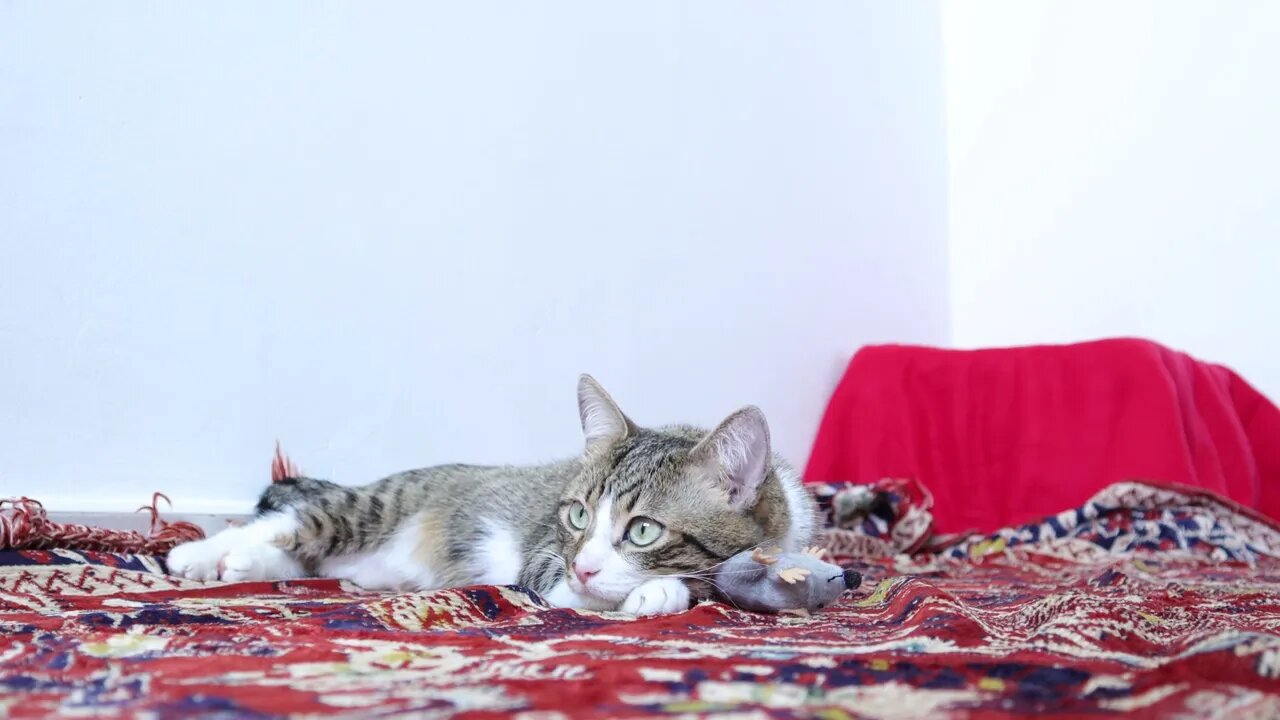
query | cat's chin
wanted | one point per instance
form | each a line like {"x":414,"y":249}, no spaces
{"x":593,"y":598}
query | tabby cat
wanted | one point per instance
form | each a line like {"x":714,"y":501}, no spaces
{"x":633,"y":524}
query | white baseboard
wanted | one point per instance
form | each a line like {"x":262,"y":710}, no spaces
{"x":210,"y":522}
{"x":182,"y":504}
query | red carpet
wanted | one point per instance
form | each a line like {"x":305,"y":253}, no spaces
{"x":1144,"y":600}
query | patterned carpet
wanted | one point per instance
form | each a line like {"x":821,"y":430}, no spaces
{"x":1160,"y":602}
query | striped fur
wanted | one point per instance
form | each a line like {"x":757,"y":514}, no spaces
{"x":713,"y":494}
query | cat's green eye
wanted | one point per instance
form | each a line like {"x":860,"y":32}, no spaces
{"x":578,"y":516}
{"x":643,"y":531}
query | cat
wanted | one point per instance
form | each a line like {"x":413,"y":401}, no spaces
{"x":636,"y":523}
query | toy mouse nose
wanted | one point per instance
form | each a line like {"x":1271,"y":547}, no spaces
{"x":583,"y":574}
{"x":852,"y":578}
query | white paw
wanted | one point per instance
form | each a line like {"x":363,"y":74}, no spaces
{"x":243,"y":563}
{"x":258,"y":561}
{"x":195,"y":560}
{"x":660,"y":596}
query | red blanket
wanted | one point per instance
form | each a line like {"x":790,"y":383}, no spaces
{"x":1002,"y":436}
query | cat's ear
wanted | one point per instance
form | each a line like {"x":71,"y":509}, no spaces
{"x":603,"y":422}
{"x":736,"y":455}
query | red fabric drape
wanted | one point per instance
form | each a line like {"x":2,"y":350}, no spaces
{"x":1006,"y":435}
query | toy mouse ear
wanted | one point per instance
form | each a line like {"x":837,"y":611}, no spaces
{"x":793,"y":575}
{"x":761,"y":557}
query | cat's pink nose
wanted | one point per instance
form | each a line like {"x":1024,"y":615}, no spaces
{"x":584,"y":574}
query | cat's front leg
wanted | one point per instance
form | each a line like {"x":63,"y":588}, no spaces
{"x":245,"y":552}
{"x":660,"y":596}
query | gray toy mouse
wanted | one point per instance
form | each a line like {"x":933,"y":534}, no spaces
{"x":796,"y":583}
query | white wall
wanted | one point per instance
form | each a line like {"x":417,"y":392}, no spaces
{"x":391,"y":234}
{"x":1114,"y":168}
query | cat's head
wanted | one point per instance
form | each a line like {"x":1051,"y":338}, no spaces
{"x":667,"y":501}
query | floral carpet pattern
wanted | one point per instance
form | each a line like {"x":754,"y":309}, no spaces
{"x":1150,"y":600}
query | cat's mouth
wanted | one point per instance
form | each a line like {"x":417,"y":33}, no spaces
{"x":592,"y":591}
{"x":574,"y":585}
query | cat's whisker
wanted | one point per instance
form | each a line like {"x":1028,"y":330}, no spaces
{"x":549,"y":555}
{"x":707,"y":576}
{"x":723,"y":595}
{"x":711,"y":568}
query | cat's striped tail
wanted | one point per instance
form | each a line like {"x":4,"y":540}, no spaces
{"x":282,"y":467}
